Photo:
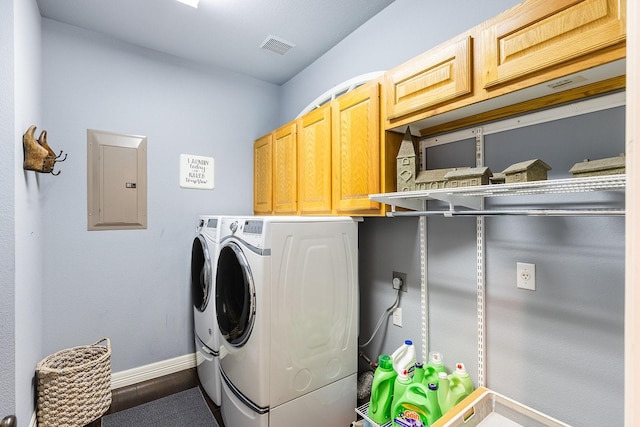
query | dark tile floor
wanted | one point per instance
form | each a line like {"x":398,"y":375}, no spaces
{"x":137,"y":394}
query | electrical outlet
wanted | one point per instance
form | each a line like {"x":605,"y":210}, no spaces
{"x":526,"y":276}
{"x":399,"y":281}
{"x":397,"y":316}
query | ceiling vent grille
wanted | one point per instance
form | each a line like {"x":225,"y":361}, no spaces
{"x":276,"y":44}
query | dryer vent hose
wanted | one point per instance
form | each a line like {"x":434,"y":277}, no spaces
{"x":365,"y":380}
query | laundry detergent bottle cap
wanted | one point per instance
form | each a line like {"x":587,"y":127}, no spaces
{"x":382,"y":391}
{"x":404,"y":359}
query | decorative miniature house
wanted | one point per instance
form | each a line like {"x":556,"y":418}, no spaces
{"x":497,"y":178}
{"x":406,"y":165}
{"x":530,"y":170}
{"x":468,"y":177}
{"x":608,"y":166}
{"x":433,"y":179}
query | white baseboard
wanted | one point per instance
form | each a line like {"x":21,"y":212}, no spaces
{"x":144,"y":373}
{"x":153,"y":370}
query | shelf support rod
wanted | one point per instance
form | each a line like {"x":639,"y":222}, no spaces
{"x":424,"y":289}
{"x":480,"y":267}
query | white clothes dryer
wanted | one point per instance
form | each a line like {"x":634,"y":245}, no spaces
{"x":204,"y":259}
{"x":287,"y":311}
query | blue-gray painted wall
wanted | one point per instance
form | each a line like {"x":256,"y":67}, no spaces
{"x":133,"y":286}
{"x":7,"y":212}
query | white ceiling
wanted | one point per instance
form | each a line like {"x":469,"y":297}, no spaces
{"x":224,"y":33}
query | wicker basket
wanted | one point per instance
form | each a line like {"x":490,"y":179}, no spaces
{"x":74,"y":385}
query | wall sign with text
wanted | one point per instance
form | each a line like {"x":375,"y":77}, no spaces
{"x":196,"y":172}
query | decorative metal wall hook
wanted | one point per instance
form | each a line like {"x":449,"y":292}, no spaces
{"x":38,"y":156}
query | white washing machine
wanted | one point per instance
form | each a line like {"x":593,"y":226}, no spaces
{"x":287,"y":310}
{"x":204,"y":259}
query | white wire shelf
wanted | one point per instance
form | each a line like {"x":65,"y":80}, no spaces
{"x":471,"y":197}
{"x":363,"y":410}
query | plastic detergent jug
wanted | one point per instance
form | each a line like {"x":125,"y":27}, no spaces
{"x":404,"y":359}
{"x":451,"y":391}
{"x":418,"y":406}
{"x":463,"y":376}
{"x":433,"y":405}
{"x":382,"y":391}
{"x":433,"y":368}
{"x":400,"y":385}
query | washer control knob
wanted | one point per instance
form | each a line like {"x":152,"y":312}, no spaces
{"x":234,"y":226}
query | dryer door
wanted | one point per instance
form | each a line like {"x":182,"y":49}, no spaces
{"x":200,"y":273}
{"x":235,"y":295}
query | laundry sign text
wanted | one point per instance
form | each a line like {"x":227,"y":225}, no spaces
{"x":196,"y":172}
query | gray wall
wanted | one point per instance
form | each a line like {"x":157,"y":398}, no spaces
{"x":30,"y":244}
{"x":21,"y":240}
{"x":558,"y":349}
{"x":543,"y":348}
{"x":7,"y":212}
{"x":132,"y":286}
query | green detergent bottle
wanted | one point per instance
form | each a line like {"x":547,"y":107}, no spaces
{"x":382,"y":391}
{"x":417,"y":407}
{"x":434,"y":406}
{"x":433,"y":368}
{"x":402,"y":382}
{"x":463,"y":376}
{"x":404,"y":361}
{"x":451,"y":391}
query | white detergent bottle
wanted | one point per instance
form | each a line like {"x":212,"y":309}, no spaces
{"x":404,"y":359}
{"x":404,"y":363}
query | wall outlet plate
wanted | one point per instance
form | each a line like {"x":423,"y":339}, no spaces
{"x":526,"y":276}
{"x":397,"y":316}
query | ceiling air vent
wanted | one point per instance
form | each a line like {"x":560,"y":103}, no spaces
{"x":276,"y":44}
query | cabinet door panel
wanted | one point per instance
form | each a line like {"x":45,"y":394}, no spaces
{"x":547,"y":34}
{"x":356,"y":149}
{"x":314,"y":161}
{"x":439,"y":75}
{"x":285,"y":190}
{"x":262,"y":175}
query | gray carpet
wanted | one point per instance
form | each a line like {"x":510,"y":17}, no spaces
{"x":186,"y":408}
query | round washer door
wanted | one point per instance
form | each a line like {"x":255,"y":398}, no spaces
{"x":235,"y":295}
{"x":200,"y":273}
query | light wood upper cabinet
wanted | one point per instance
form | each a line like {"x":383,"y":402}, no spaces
{"x":439,"y":75}
{"x":285,"y":170}
{"x":537,"y":54}
{"x":263,"y":175}
{"x":542,"y":34}
{"x":314,"y":161}
{"x":356,"y":150}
